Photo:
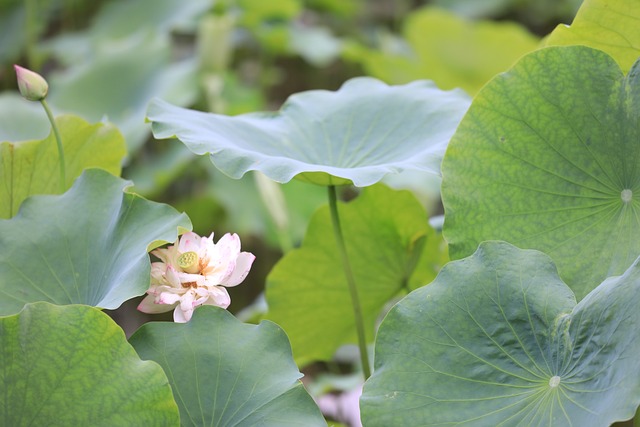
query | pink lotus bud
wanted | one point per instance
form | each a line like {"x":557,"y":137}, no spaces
{"x":32,"y":85}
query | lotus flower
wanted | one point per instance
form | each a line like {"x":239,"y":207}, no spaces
{"x":195,"y":271}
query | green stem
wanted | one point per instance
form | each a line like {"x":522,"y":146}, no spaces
{"x":353,"y":290}
{"x":56,"y":132}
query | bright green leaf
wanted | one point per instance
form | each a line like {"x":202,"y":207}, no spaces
{"x":72,"y":366}
{"x":608,"y":25}
{"x":459,"y":53}
{"x":497,"y":339}
{"x":227,"y":373}
{"x":451,"y":51}
{"x":87,"y":246}
{"x":31,"y":167}
{"x":359,"y":133}
{"x":547,"y":158}
{"x":387,"y":235}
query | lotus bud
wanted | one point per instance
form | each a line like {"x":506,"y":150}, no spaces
{"x":32,"y":85}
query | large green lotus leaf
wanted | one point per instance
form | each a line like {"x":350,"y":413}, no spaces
{"x":392,"y":250}
{"x":357,"y":134}
{"x":547,"y":158}
{"x":452,"y":51}
{"x":119,"y":82}
{"x":608,"y":25}
{"x":87,"y":246}
{"x":32,"y":167}
{"x":227,"y":373}
{"x":72,"y":366}
{"x":498,"y":340}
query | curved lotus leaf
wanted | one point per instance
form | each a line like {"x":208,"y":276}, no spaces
{"x":87,"y":246}
{"x":227,"y":373}
{"x":72,"y":366}
{"x":547,"y":158}
{"x":31,"y":167}
{"x":357,"y":134}
{"x":497,"y":339}
{"x":392,"y":251}
{"x":608,"y":25}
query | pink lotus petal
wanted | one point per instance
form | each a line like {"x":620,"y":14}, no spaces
{"x":180,"y":316}
{"x":148,"y":305}
{"x":222,"y":273}
{"x":189,"y":242}
{"x":189,"y":278}
{"x":173,"y":277}
{"x":219,"y":297}
{"x":228,"y":246}
{"x":168,"y":298}
{"x":158,"y":289}
{"x":242,"y":267}
{"x":187,"y":301}
{"x":158,"y":270}
{"x":166,"y":255}
{"x":168,"y":289}
{"x":201,"y":291}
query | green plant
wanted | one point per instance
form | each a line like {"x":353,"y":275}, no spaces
{"x":533,"y":322}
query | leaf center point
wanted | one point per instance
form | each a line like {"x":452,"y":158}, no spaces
{"x":626,"y":195}
{"x":554,"y":381}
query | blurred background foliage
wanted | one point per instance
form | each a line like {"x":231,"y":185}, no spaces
{"x":105,"y":59}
